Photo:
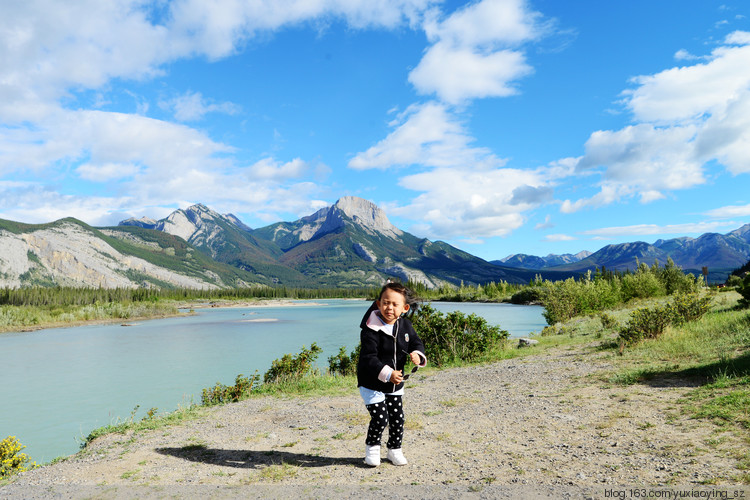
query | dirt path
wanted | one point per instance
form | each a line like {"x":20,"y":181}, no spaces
{"x":547,"y":424}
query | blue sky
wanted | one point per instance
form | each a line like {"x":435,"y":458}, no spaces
{"x":499,"y":126}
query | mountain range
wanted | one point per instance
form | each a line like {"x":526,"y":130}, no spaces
{"x":720,"y":253}
{"x":349,"y":244}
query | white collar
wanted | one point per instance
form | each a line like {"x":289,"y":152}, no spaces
{"x":375,"y":322}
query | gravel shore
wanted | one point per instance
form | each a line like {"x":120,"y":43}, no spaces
{"x":542,"y":426}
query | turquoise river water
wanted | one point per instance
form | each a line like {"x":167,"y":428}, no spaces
{"x":62,"y":383}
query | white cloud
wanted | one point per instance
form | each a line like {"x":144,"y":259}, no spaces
{"x":56,"y":51}
{"x":155,"y":163}
{"x":427,"y":135}
{"x":684,"y":55}
{"x":547,"y":224}
{"x":474,"y":52}
{"x":461,"y":201}
{"x":268,"y":168}
{"x":686,"y":119}
{"x":106,"y":171}
{"x":559,"y":237}
{"x":52,"y":46}
{"x":193,"y":106}
{"x":679,"y":95}
{"x":654,"y":229}
{"x":457,"y":74}
{"x":217,"y":28}
{"x":487,"y":22}
{"x":32,"y":202}
{"x":729,"y":211}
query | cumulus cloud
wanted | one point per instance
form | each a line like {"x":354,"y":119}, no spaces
{"x":425,"y":134}
{"x":479,"y":202}
{"x":475,"y":51}
{"x":51,"y":47}
{"x":688,"y":119}
{"x":457,"y":74}
{"x":56,"y":51}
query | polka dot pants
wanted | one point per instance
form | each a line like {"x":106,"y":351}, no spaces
{"x":391,"y":413}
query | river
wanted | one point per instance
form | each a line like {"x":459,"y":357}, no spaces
{"x":60,"y":384}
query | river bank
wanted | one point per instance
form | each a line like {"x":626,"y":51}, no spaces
{"x":31,"y":321}
{"x":549,"y":423}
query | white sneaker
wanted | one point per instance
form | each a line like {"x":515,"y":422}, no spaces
{"x":396,"y":457}
{"x":372,"y":455}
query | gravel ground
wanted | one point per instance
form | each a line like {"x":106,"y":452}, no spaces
{"x":545,"y":426}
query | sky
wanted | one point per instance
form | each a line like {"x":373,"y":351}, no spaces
{"x":499,"y":126}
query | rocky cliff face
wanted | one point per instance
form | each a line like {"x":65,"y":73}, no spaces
{"x":197,"y":224}
{"x":366,"y":215}
{"x":69,"y":254}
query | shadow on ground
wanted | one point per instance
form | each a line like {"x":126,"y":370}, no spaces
{"x":249,"y":459}
{"x":697,"y":376}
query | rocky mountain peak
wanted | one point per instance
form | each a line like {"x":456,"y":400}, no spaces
{"x":367,"y":215}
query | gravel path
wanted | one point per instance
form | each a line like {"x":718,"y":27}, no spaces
{"x":548,"y":425}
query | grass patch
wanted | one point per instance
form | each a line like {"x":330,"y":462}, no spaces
{"x":178,"y":416}
{"x":726,"y":400}
{"x":275,"y":473}
{"x":712,"y":353}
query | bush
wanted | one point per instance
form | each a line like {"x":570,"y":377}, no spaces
{"x":343,"y":364}
{"x":608,"y":321}
{"x":220,"y":393}
{"x":566,"y":299}
{"x":650,"y":323}
{"x":528,"y":295}
{"x":12,"y":461}
{"x":292,"y":367}
{"x":642,"y":285}
{"x":688,"y":307}
{"x":734,"y":282}
{"x":744,"y":290}
{"x":645,"y":323}
{"x":456,"y":336}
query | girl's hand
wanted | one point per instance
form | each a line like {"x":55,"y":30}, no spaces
{"x":415,"y":358}
{"x":397,"y":377}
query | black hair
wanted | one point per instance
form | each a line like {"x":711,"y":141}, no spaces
{"x":409,"y":296}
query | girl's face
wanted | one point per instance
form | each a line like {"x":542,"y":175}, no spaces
{"x":392,"y":305}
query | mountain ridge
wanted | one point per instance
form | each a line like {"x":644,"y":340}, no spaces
{"x":720,"y":253}
{"x":348,"y":244}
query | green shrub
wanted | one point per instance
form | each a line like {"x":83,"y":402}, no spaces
{"x":688,"y":307}
{"x":744,"y":290}
{"x":528,"y":295}
{"x":649,"y":323}
{"x":292,"y":367}
{"x":645,"y":323}
{"x":343,"y":364}
{"x":456,"y":336}
{"x":569,"y":298}
{"x":608,"y":321}
{"x":733,"y":281}
{"x":12,"y":461}
{"x":642,"y":285}
{"x":220,"y":393}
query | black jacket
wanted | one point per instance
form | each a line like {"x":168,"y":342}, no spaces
{"x":379,"y":349}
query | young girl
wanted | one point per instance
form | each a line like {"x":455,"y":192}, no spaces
{"x":387,"y":339}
